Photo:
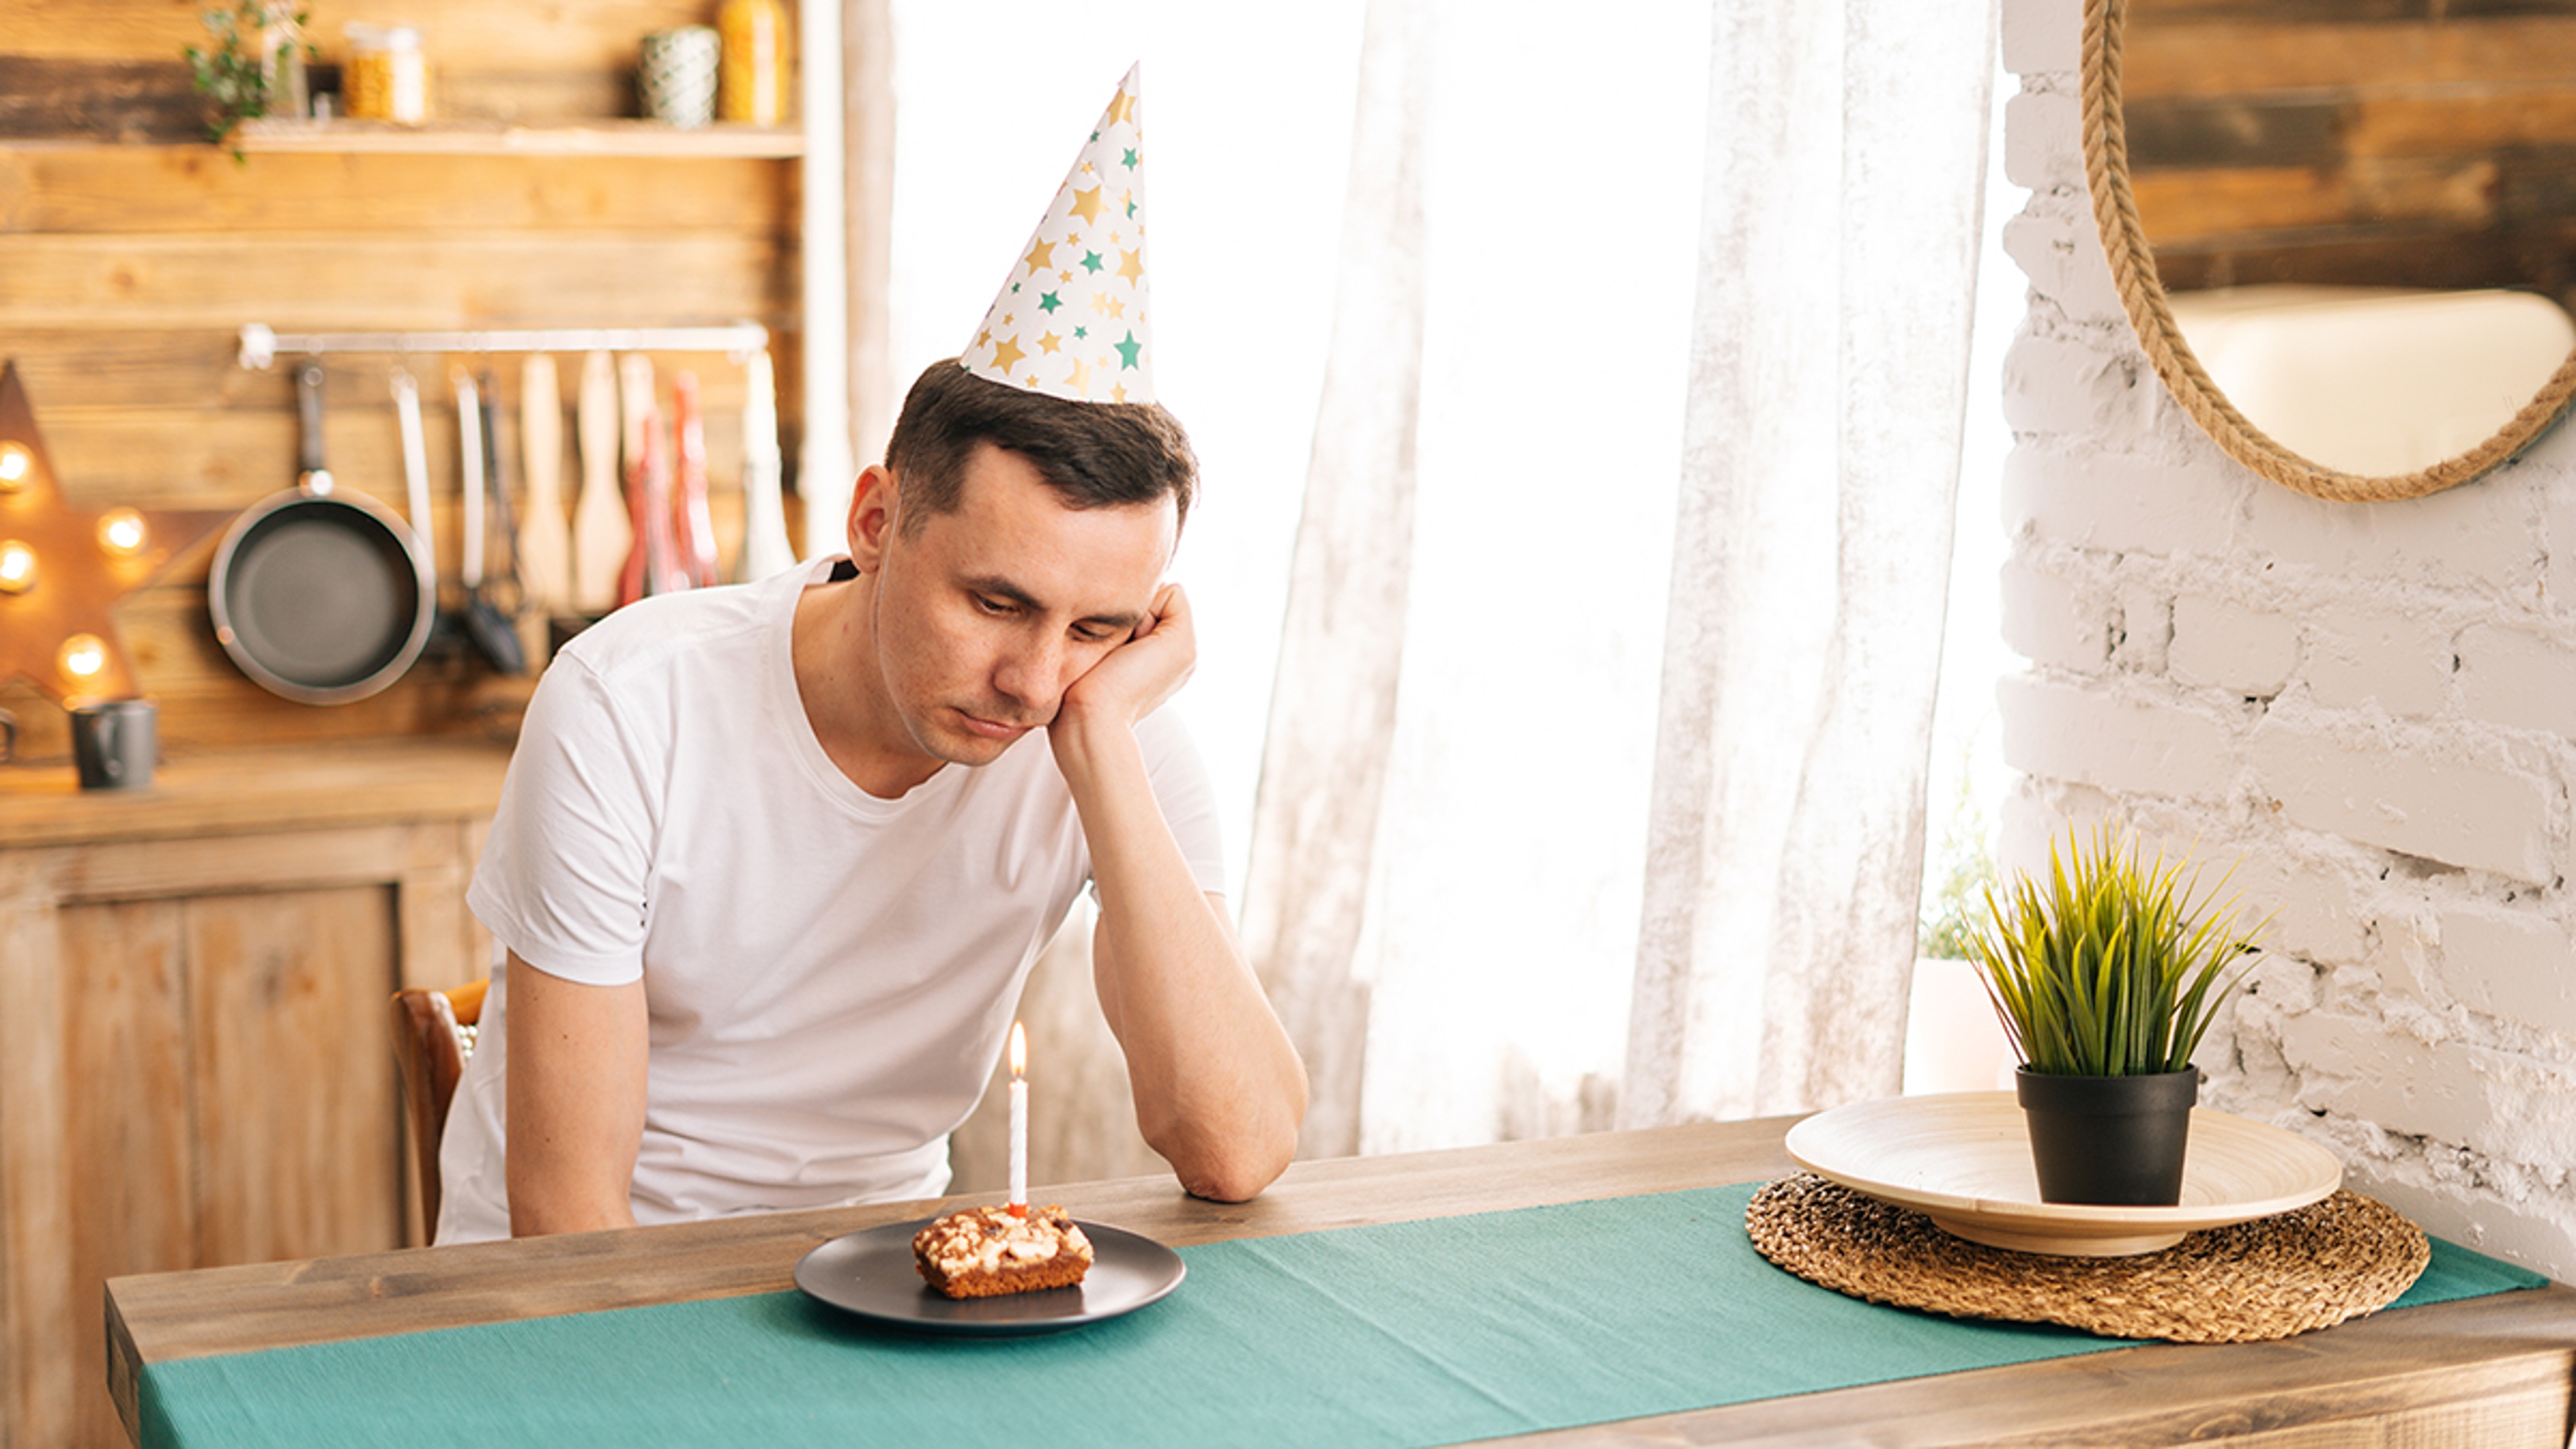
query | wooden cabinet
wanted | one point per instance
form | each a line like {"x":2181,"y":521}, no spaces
{"x":195,"y":1048}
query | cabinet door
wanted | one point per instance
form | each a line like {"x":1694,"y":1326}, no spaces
{"x":291,"y":1074}
{"x":232,"y":1090}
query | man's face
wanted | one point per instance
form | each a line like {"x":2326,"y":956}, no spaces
{"x":986,"y":614}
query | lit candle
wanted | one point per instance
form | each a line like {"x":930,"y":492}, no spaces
{"x":1019,"y":1122}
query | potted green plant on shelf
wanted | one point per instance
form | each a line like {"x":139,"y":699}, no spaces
{"x":254,"y":68}
{"x":2106,"y":974}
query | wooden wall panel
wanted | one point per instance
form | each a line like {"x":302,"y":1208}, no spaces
{"x":128,"y":268}
{"x":2228,"y":47}
{"x":80,"y":188}
{"x":2410,"y":143}
{"x":360,"y":281}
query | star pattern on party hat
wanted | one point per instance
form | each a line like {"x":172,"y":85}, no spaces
{"x":1071,"y":320}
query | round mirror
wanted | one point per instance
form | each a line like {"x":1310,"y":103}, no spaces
{"x":2344,"y":234}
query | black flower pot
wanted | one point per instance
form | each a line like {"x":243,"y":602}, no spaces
{"x":2109,"y":1140}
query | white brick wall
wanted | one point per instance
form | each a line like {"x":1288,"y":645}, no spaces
{"x":2369,"y":708}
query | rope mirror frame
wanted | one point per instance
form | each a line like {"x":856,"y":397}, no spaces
{"x":2151,"y":319}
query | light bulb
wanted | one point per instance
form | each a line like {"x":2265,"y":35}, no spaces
{"x":17,"y":567}
{"x":82,"y":656}
{"x":121,"y":532}
{"x":15,"y":464}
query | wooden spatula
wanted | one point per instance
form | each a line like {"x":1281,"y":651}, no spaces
{"x":601,"y":535}
{"x":545,"y":542}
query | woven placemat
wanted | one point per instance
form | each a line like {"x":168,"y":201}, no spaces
{"x":2332,"y":1260}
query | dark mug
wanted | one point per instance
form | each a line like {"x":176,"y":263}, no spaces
{"x":114,"y":743}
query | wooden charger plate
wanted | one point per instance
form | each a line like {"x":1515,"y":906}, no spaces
{"x":1963,"y":1160}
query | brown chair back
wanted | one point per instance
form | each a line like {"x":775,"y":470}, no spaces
{"x":433,"y":1035}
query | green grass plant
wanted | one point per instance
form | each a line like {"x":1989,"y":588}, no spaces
{"x":2109,"y":967}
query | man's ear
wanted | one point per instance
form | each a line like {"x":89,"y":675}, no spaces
{"x":872,"y":515}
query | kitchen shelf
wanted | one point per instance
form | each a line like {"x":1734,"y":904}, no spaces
{"x":721,"y":140}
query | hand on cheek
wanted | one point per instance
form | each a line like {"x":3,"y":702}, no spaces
{"x":1134,"y":678}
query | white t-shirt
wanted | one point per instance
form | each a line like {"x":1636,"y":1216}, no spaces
{"x":829,"y":976}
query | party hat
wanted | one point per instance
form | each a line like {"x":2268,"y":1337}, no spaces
{"x":1070,"y":322}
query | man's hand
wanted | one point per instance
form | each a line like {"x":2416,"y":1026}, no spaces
{"x":1132,"y":680}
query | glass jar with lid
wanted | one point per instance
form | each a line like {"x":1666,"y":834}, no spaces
{"x":388,"y":76}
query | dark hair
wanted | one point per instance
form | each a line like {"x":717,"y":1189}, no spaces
{"x":1093,"y":454}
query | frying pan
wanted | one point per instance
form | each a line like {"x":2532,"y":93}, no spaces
{"x":320,"y":596}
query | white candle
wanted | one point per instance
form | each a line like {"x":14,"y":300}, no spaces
{"x":1019,"y":1122}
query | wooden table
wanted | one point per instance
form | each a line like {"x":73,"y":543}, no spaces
{"x":2491,"y":1372}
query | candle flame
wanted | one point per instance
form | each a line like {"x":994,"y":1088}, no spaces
{"x":1019,"y":1052}
{"x":17,"y":567}
{"x":15,"y":464}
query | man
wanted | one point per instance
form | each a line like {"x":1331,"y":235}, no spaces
{"x":772,"y":861}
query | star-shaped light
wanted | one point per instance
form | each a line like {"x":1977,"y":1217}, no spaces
{"x":62,"y":570}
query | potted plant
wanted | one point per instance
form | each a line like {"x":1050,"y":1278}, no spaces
{"x":256,"y":65}
{"x":2105,"y":975}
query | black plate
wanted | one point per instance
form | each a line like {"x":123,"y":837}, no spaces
{"x":871,"y":1274}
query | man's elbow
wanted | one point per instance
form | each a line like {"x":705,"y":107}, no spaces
{"x":1237,"y":1176}
{"x":1234,"y":1165}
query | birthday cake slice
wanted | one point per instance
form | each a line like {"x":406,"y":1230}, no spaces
{"x":985,"y":1251}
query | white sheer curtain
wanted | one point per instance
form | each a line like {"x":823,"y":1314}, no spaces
{"x":1644,"y":838}
{"x":1837,"y":287}
{"x":1579,"y":391}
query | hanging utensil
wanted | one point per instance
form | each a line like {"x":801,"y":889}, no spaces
{"x":601,"y":533}
{"x":765,"y":549}
{"x":320,"y":595}
{"x":444,"y":626}
{"x":650,"y":563}
{"x":415,"y":460}
{"x":545,"y":544}
{"x":493,"y":637}
{"x":693,"y":527}
{"x":503,"y":597}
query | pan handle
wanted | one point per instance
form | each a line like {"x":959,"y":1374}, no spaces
{"x":308,"y":409}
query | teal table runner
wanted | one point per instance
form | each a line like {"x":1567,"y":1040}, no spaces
{"x":1403,"y":1334}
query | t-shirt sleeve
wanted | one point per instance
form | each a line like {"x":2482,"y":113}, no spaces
{"x":1182,"y":788}
{"x":565,"y":873}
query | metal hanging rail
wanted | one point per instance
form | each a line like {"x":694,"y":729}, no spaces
{"x":260,"y":346}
